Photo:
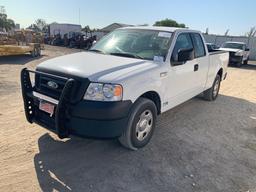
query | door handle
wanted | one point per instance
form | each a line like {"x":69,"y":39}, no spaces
{"x":196,"y":67}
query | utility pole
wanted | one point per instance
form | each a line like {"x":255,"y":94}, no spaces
{"x":79,"y":16}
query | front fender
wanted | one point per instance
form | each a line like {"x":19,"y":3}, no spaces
{"x":133,"y":89}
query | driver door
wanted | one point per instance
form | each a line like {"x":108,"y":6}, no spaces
{"x":182,"y":82}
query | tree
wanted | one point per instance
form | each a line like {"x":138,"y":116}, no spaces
{"x":226,"y":33}
{"x":86,"y":28}
{"x":5,"y":23}
{"x":169,"y":23}
{"x":252,"y":32}
{"x":39,"y":26}
{"x":9,"y":24}
{"x":33,"y":27}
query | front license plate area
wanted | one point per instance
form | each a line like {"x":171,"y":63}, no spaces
{"x":46,"y":107}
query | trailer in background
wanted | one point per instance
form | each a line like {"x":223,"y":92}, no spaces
{"x":32,"y":48}
{"x":62,"y":29}
{"x":22,"y":42}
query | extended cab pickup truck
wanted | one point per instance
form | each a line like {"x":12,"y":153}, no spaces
{"x":117,"y":89}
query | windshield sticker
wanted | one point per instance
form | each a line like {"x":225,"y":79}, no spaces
{"x":158,"y":58}
{"x":164,"y":34}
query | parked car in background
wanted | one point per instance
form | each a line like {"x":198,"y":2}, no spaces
{"x":238,"y":51}
{"x":212,"y":46}
{"x":117,"y":89}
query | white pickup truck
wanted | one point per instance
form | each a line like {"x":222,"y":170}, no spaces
{"x":117,"y":89}
{"x":238,"y":52}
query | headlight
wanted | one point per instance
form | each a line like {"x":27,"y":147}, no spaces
{"x":239,"y":53}
{"x":104,"y":92}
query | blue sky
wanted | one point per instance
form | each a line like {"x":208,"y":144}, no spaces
{"x":217,"y":15}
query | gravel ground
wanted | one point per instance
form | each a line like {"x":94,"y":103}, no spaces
{"x":197,"y":146}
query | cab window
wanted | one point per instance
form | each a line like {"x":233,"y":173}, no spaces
{"x":183,"y":42}
{"x":198,"y":45}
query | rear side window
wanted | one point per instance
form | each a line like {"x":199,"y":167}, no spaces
{"x":198,"y":45}
{"x":183,"y":42}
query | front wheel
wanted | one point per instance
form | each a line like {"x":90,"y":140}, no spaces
{"x":141,"y":125}
{"x":212,"y":93}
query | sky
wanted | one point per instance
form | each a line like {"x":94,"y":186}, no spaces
{"x":218,"y":15}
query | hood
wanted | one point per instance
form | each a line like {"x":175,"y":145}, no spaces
{"x":230,"y":49}
{"x":93,"y":65}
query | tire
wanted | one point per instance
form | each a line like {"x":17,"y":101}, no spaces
{"x":141,"y":124}
{"x":239,"y":63}
{"x":212,"y":93}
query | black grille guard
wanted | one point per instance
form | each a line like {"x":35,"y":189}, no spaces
{"x":64,"y":101}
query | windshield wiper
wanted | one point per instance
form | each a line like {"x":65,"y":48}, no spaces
{"x":97,"y":51}
{"x":127,"y":55}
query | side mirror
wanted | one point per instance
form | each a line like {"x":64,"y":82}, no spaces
{"x":246,"y":49}
{"x":185,"y":55}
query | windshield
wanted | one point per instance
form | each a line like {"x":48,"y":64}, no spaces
{"x":143,"y":44}
{"x":233,"y":45}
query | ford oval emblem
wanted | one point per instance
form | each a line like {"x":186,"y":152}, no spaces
{"x":52,"y":85}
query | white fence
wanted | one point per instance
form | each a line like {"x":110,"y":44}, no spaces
{"x":219,"y":40}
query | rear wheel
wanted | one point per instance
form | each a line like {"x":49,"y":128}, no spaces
{"x":141,"y":125}
{"x":212,"y":93}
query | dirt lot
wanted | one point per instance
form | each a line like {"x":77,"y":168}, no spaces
{"x":198,"y":146}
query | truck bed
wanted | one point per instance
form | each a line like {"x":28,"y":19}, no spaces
{"x":217,"y":60}
{"x":214,"y":52}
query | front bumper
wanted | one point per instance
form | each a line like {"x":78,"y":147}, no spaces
{"x":74,"y":117}
{"x":235,"y":59}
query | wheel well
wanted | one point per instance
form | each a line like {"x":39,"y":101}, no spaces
{"x":153,"y":96}
{"x":220,"y":73}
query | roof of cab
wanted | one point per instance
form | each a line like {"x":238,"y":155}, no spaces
{"x":167,"y":29}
